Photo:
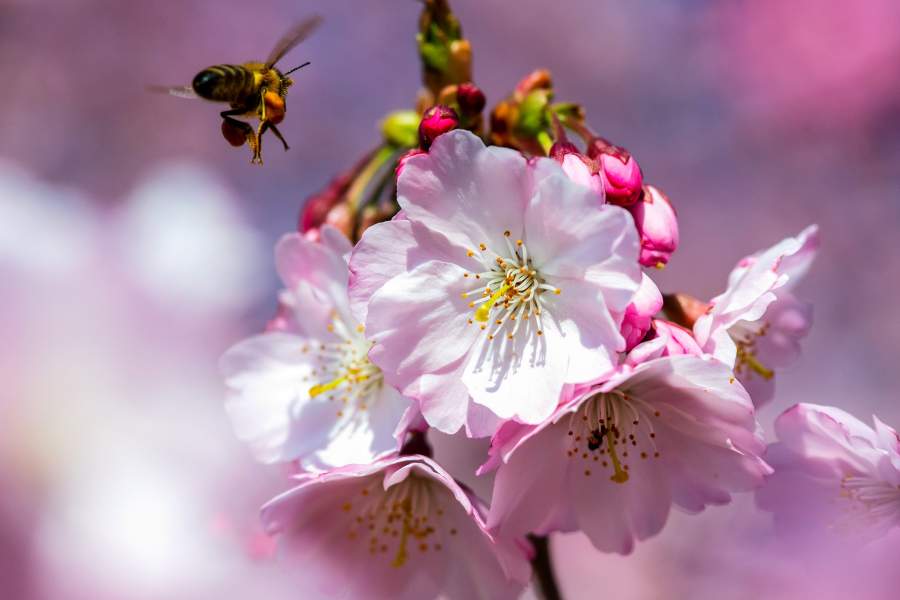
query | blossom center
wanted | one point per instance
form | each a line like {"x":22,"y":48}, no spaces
{"x":343,"y":372}
{"x":607,"y":427}
{"x":745,"y":335}
{"x":406,"y":518}
{"x":511,"y":297}
{"x":868,"y":503}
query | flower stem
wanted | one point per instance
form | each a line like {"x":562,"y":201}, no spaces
{"x":543,"y":568}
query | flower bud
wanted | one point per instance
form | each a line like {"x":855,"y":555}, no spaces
{"x":399,"y":128}
{"x":578,"y":167}
{"x":678,"y":340}
{"x":533,"y":114}
{"x":436,"y":120}
{"x":317,"y":206}
{"x":657,"y":225}
{"x":622,"y":178}
{"x":470,"y":98}
{"x":639,"y":314}
{"x":538,"y":79}
{"x":666,"y":339}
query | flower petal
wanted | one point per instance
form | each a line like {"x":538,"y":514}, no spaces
{"x":466,"y":191}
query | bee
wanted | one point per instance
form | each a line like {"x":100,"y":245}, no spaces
{"x":252,"y":89}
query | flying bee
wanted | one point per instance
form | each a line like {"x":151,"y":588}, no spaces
{"x":253,"y":89}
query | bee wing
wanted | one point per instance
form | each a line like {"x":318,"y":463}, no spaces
{"x":292,"y":37}
{"x":182,"y":91}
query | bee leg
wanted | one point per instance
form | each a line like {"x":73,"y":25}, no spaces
{"x":246,"y":130}
{"x":279,"y":136}
{"x":261,"y":111}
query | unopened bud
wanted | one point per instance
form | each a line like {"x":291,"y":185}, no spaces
{"x":400,"y":128}
{"x":665,"y":339}
{"x":657,"y":225}
{"x":622,"y":178}
{"x":470,"y":98}
{"x":539,"y":79}
{"x":436,"y":120}
{"x":646,"y":302}
{"x":533,"y":114}
{"x":578,"y":167}
{"x":316,"y":208}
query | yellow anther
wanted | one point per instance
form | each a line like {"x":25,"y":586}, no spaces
{"x":483,"y":247}
{"x":325,"y":387}
{"x":360,"y":328}
{"x":557,"y":291}
{"x":660,"y":265}
{"x":518,"y":242}
{"x":482,"y":313}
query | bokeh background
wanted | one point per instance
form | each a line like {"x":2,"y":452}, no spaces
{"x":135,"y":246}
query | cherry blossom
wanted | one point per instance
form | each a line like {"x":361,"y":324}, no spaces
{"x":757,"y":323}
{"x":502,"y":282}
{"x":615,"y":456}
{"x":833,"y":474}
{"x":397,"y":528}
{"x":305,"y":390}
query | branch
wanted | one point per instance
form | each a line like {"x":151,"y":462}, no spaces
{"x":543,"y":568}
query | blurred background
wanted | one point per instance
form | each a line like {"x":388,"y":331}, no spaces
{"x":135,"y":246}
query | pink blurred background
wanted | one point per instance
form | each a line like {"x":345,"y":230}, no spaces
{"x":135,"y":247}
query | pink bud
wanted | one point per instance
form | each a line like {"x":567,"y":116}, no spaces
{"x":668,"y":339}
{"x":578,"y":167}
{"x":639,"y":314}
{"x":402,"y":162}
{"x":470,"y":98}
{"x":317,"y":206}
{"x":436,"y":120}
{"x":622,"y":178}
{"x":678,"y":340}
{"x":657,"y":225}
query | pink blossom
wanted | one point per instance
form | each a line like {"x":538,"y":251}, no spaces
{"x":612,"y":460}
{"x":756,"y":324}
{"x":619,"y":171}
{"x":657,"y":225}
{"x":307,"y":391}
{"x":500,"y":285}
{"x":665,"y":339}
{"x":398,"y":528}
{"x":639,"y":314}
{"x":833,"y":474}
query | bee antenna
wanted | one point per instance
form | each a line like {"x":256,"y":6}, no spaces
{"x":307,"y":63}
